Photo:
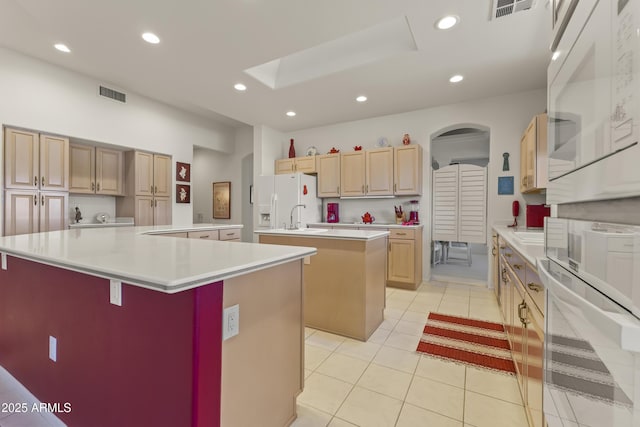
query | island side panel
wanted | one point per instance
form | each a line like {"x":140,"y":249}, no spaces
{"x":128,"y":365}
{"x":263,"y":366}
{"x":376,"y":274}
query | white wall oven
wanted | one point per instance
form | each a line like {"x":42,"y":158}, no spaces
{"x":592,"y":341}
{"x":593,"y":103}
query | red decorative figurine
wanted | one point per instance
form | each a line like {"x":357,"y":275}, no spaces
{"x":292,"y":150}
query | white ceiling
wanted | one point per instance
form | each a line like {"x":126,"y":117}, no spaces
{"x":206,"y":45}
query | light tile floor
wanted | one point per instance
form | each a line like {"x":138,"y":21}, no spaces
{"x":384,"y":382}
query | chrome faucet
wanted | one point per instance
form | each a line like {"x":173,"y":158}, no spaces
{"x":291,"y":224}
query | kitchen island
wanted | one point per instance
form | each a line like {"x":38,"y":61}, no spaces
{"x":127,"y":327}
{"x":344,"y":284}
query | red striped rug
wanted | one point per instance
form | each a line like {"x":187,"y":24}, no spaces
{"x":475,"y":342}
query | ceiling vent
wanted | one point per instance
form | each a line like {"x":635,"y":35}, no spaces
{"x":503,"y":8}
{"x":113,"y":94}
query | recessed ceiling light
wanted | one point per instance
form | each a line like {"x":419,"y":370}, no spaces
{"x":447,"y":22}
{"x":555,"y":55}
{"x":240,"y":87}
{"x":456,"y":79}
{"x":361,"y":98}
{"x":62,"y":47}
{"x":151,"y":38}
{"x":291,"y":113}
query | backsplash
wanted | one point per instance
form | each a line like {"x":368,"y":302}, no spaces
{"x":351,"y":210}
{"x":90,"y":206}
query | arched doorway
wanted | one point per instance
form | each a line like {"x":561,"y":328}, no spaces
{"x":459,"y":151}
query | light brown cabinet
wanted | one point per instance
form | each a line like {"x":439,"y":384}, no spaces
{"x":328,"y":175}
{"x":147,"y":188}
{"x":95,"y":170}
{"x":521,"y":300}
{"x":36,"y":181}
{"x":533,"y":156}
{"x":379,"y":172}
{"x":404,"y":260}
{"x":407,"y":167}
{"x":352,"y":174}
{"x":36,"y":161}
{"x":296,"y":164}
{"x":35,"y":211}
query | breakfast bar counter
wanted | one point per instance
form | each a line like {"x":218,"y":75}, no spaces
{"x":344,"y":284}
{"x":127,"y":327}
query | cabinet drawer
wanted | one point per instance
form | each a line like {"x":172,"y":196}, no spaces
{"x":172,"y":234}
{"x":534,"y":287}
{"x":205,"y":234}
{"x":230,"y":234}
{"x":401,"y":233}
{"x":518,"y":265}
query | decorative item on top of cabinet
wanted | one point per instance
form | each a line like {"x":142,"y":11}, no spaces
{"x":147,"y":188}
{"x":292,"y":150}
{"x":407,"y":170}
{"x":406,"y":139}
{"x":533,"y":156}
{"x":95,"y":170}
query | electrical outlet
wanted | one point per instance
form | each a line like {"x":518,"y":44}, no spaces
{"x":4,"y":261}
{"x":53,"y":348}
{"x":115,"y":292}
{"x":231,"y":322}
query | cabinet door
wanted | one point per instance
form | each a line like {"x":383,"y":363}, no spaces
{"x":285,"y":166}
{"x":401,"y":266}
{"x":206,"y":235}
{"x":109,"y":171}
{"x":81,"y":169}
{"x":54,"y":163}
{"x":445,"y":204}
{"x":162,"y":175}
{"x":379,"y":172}
{"x":523,"y":163}
{"x":21,"y":212}
{"x":21,"y":165}
{"x":306,"y":164}
{"x":518,"y":331}
{"x":144,"y":210}
{"x":53,"y":211}
{"x":143,"y":174}
{"x":472,"y":204}
{"x":328,"y":175}
{"x":352,"y":174}
{"x":535,"y":343}
{"x":162,"y":211}
{"x":407,"y":170}
{"x":531,"y":155}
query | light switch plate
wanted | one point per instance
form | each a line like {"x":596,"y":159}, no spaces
{"x":53,"y":348}
{"x":4,"y":260}
{"x":231,"y":322}
{"x":115,"y":292}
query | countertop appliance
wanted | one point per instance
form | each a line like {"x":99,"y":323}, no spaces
{"x":333,"y":212}
{"x":280,"y":198}
{"x":592,"y":267}
{"x":536,"y":214}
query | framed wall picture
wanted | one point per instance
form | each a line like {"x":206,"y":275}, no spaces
{"x":505,"y":185}
{"x":183,"y":172}
{"x":183,"y":193}
{"x":222,"y":200}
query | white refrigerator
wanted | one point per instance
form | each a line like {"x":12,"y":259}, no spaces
{"x":278,"y":195}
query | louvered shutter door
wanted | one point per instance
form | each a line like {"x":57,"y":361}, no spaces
{"x":445,"y":203}
{"x":472,"y":206}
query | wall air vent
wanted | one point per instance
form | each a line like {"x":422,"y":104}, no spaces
{"x":113,"y":94}
{"x":503,"y":8}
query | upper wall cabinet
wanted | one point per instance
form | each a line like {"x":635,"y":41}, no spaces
{"x":152,"y":174}
{"x":533,"y":156}
{"x":296,"y":164}
{"x":96,"y":170}
{"x":328,"y":175}
{"x":407,"y":167}
{"x":352,"y":174}
{"x":36,"y":161}
{"x":379,"y":172}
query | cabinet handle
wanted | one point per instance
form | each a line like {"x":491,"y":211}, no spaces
{"x":98,"y":186}
{"x":523,"y":318}
{"x":367,"y":188}
{"x":204,"y":237}
{"x":93,"y":186}
{"x":338,"y":190}
{"x":389,"y":244}
{"x":42,"y":181}
{"x":156,"y":205}
{"x":493,"y":251}
{"x":155,"y":189}
{"x":152,"y":189}
{"x":151,"y":202}
{"x":363,"y":188}
{"x":400,"y":234}
{"x":508,"y":255}
{"x":517,"y":266}
{"x":35,"y":200}
{"x":394,"y":187}
{"x":534,"y":287}
{"x":504,"y":272}
{"x":42,"y":199}
{"x":35,"y":181}
{"x":229,"y":234}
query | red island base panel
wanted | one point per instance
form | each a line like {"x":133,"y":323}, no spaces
{"x":155,"y":360}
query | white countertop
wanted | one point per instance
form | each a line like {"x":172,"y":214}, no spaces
{"x":161,"y":263}
{"x":531,"y":251}
{"x":361,"y":224}
{"x":164,"y":229}
{"x":324,"y":233}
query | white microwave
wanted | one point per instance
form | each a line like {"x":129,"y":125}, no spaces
{"x":561,"y":13}
{"x":594,"y":104}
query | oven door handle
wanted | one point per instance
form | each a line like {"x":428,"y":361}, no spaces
{"x":624,"y":329}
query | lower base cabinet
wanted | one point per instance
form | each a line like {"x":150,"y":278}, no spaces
{"x":404,"y":261}
{"x":35,"y":211}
